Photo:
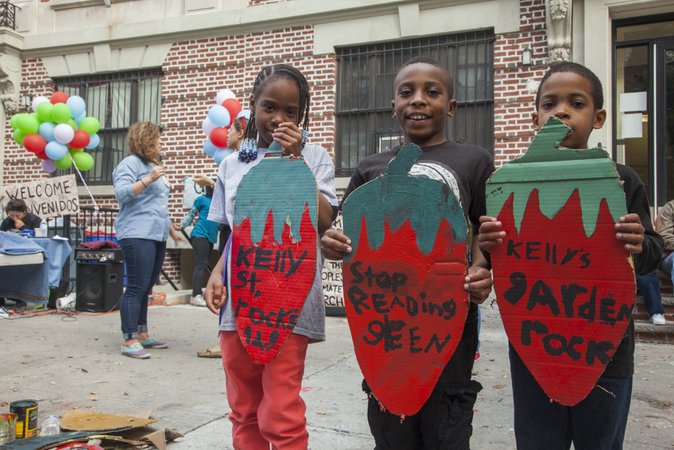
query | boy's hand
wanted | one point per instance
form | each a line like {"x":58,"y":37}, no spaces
{"x":491,"y":233}
{"x":631,"y":232}
{"x":335,"y":244}
{"x":289,"y":136}
{"x":215,"y":293}
{"x":478,"y":284}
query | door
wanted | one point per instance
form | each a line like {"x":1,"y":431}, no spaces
{"x":664,"y":119}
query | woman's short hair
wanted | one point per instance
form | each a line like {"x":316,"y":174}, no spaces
{"x":143,"y":137}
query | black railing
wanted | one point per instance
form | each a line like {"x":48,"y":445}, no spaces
{"x":7,"y":15}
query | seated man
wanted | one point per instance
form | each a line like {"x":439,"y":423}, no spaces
{"x":649,"y":287}
{"x":664,"y":225}
{"x":18,"y":217}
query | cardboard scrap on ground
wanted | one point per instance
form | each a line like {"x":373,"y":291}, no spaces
{"x":77,"y":420}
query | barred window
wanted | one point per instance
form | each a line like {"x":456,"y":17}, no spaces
{"x":365,"y":90}
{"x":117,"y":100}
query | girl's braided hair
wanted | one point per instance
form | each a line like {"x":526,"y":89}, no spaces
{"x":289,"y":73}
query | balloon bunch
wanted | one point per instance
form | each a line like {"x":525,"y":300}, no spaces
{"x":216,"y":125}
{"x":57,"y":131}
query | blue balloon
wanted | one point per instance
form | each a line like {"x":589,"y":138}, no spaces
{"x":77,"y":105}
{"x":94,"y":140}
{"x":46,"y":130}
{"x":221,"y":154}
{"x":209,"y":147}
{"x":219,"y":116}
{"x":81,"y":117}
{"x":55,"y":151}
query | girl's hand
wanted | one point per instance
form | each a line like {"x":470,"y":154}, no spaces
{"x":631,"y":232}
{"x":289,"y":135}
{"x":18,"y":223}
{"x":491,"y":233}
{"x":478,"y":283}
{"x":203,"y":181}
{"x":175,"y":235}
{"x":215,"y":293}
{"x":335,"y":244}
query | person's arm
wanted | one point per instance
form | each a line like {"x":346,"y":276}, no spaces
{"x":664,"y":225}
{"x":189,"y":217}
{"x":6,"y":224}
{"x":126,"y":179}
{"x":478,"y":281}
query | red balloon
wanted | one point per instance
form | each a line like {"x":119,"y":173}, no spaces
{"x":80,"y":140}
{"x":42,"y":155}
{"x":34,"y":143}
{"x":58,"y":97}
{"x":219,"y":137}
{"x":233,"y":106}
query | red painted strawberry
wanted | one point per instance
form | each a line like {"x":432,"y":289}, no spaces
{"x":564,"y":283}
{"x":403,"y":281}
{"x":274,"y":243}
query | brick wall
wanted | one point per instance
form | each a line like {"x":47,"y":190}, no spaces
{"x":513,"y":102}
{"x":195,"y":70}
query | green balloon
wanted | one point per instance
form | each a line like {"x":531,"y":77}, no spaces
{"x":14,"y":121}
{"x":43,"y":111}
{"x":60,"y":113}
{"x":82,"y":160}
{"x":18,"y":136}
{"x":90,"y":125}
{"x":63,"y":163}
{"x":28,"y":124}
{"x":72,"y":123}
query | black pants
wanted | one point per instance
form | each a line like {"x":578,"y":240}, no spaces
{"x":202,"y":251}
{"x":445,"y":420}
{"x":225,"y":232}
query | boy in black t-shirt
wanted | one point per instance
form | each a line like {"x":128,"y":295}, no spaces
{"x":423,"y":100}
{"x":18,"y":218}
{"x":573,"y":94}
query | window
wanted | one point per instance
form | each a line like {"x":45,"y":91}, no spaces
{"x":365,"y":91}
{"x":117,"y":100}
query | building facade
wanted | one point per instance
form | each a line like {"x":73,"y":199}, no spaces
{"x":165,"y":61}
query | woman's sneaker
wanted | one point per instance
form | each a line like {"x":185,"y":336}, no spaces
{"x":135,"y":350}
{"x":198,"y":300}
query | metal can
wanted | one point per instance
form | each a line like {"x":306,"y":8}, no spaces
{"x":26,"y":418}
{"x":7,"y":427}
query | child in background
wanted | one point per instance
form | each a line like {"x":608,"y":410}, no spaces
{"x":18,"y":217}
{"x":265,"y":399}
{"x":203,"y":237}
{"x":572,"y":93}
{"x":423,"y":99}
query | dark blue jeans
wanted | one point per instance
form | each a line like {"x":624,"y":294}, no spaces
{"x":143,"y":259}
{"x":649,"y":286}
{"x":596,"y":423}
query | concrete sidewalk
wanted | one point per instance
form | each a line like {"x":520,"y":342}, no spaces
{"x":68,"y":362}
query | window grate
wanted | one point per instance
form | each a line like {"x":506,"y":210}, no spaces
{"x":117,"y":100}
{"x":365,"y":90}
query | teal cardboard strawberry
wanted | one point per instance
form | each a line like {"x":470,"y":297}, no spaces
{"x":403,"y":281}
{"x":564,"y":283}
{"x":274,"y":250}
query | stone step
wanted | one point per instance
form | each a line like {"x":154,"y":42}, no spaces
{"x":658,"y":334}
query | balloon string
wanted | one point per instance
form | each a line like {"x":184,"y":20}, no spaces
{"x":93,"y":200}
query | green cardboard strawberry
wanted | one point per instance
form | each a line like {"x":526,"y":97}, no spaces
{"x":564,"y":283}
{"x":274,"y":245}
{"x":403,"y":281}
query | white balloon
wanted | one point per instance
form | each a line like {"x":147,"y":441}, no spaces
{"x":245,"y":113}
{"x":37,"y":100}
{"x":208,"y":126}
{"x":64,"y":133}
{"x":224,"y":95}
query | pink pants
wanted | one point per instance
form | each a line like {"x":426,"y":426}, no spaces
{"x":265,"y":399}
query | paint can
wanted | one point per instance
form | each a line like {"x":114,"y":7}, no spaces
{"x":7,"y":428}
{"x":26,"y":418}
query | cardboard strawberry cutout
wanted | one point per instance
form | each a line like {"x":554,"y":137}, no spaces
{"x":274,"y":244}
{"x":565,"y":285}
{"x":403,"y":281}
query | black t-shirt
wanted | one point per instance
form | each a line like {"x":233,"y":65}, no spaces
{"x":30,"y":222}
{"x":622,"y":363}
{"x":465,"y":168}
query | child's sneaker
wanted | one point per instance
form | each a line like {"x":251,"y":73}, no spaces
{"x":198,"y":300}
{"x":658,"y":319}
{"x":135,"y":350}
